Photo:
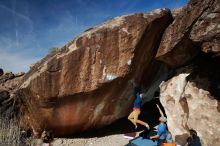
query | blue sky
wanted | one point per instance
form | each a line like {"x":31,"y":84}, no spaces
{"x":29,"y":28}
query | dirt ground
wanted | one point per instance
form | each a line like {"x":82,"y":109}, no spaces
{"x":112,"y":140}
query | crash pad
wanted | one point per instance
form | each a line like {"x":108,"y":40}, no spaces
{"x":140,"y":141}
{"x":130,"y":135}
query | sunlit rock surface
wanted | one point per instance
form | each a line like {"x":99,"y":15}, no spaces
{"x":190,"y":103}
{"x":86,"y":84}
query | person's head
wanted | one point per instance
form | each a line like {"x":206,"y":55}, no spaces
{"x":163,"y":119}
{"x":193,"y":133}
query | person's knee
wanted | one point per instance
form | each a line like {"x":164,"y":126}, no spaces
{"x":130,"y":117}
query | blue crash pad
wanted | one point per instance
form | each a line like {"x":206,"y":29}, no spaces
{"x":140,"y":141}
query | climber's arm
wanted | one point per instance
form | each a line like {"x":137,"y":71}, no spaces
{"x":161,"y":113}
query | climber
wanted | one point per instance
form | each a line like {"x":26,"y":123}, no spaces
{"x":1,"y":72}
{"x":133,"y":117}
{"x":161,"y":129}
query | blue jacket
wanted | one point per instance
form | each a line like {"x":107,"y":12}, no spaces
{"x":137,"y":101}
{"x":161,"y":130}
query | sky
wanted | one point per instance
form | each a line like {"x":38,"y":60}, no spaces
{"x":29,"y":28}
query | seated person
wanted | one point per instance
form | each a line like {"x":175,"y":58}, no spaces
{"x":161,"y":129}
{"x":193,"y":139}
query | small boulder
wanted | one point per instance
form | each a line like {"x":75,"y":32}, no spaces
{"x":4,"y":95}
{"x":1,"y":72}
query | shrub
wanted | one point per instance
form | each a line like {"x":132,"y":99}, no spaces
{"x":54,"y":50}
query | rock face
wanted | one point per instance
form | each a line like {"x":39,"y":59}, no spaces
{"x":9,"y":83}
{"x":192,"y":101}
{"x":206,"y":30}
{"x":190,"y":107}
{"x":191,"y":98}
{"x":85,"y":84}
{"x":195,"y":27}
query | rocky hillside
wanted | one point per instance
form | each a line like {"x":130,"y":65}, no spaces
{"x":87,"y":83}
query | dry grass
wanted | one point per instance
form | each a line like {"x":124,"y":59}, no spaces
{"x":9,"y":131}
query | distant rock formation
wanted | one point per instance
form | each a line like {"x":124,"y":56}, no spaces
{"x":9,"y":83}
{"x":85,"y":84}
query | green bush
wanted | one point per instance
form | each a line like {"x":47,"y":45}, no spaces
{"x":54,"y":50}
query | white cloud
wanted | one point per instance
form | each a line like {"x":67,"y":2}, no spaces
{"x":15,"y":59}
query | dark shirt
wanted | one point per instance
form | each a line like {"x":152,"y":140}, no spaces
{"x":137,"y":101}
{"x":194,"y":142}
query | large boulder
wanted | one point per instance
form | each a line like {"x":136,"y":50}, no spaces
{"x":10,"y":81}
{"x":191,"y":100}
{"x":6,"y":76}
{"x":195,"y":27}
{"x":4,"y":95}
{"x":84,"y":85}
